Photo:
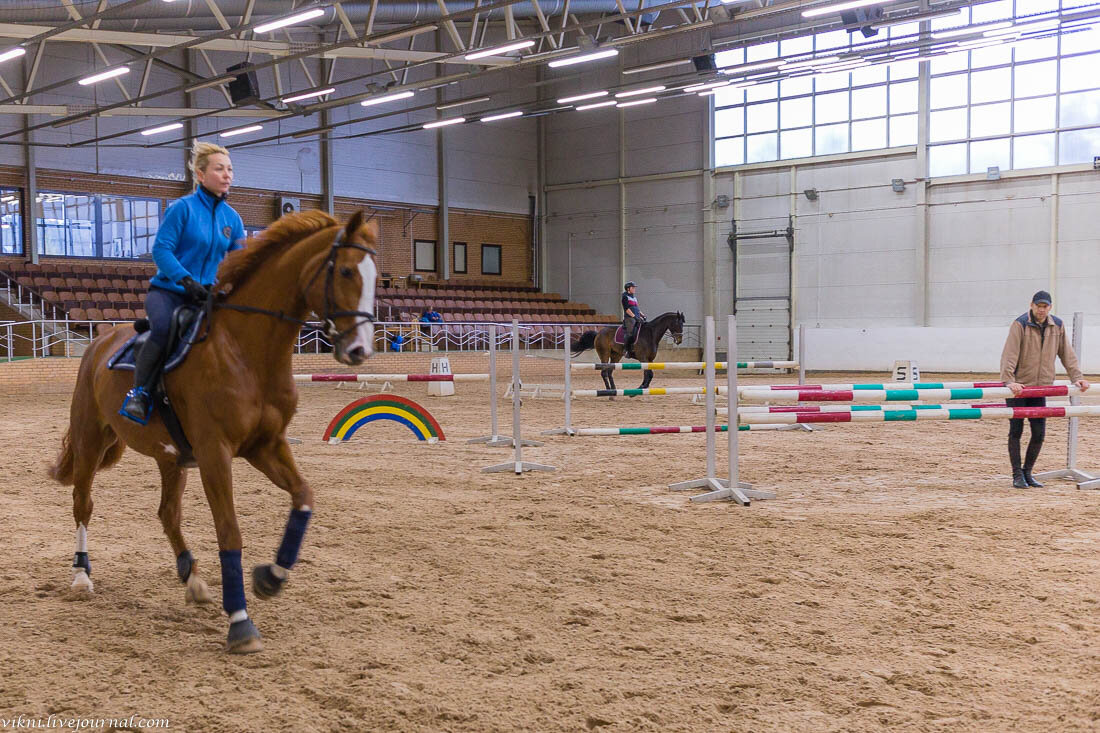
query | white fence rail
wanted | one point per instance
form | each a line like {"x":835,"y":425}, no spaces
{"x":64,"y":337}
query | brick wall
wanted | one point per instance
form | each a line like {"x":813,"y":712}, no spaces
{"x":399,"y":227}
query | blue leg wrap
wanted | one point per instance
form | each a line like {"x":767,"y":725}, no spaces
{"x":232,"y":581}
{"x":292,"y":538}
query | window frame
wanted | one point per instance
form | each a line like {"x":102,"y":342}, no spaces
{"x":465,"y":258}
{"x":435,"y":255}
{"x":500,"y":259}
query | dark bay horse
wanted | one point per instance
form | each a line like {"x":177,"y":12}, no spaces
{"x":645,"y":348}
{"x":234,"y":396}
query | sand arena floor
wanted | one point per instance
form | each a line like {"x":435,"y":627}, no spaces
{"x":898,"y":582}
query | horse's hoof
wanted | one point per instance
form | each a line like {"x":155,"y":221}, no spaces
{"x":265,"y":584}
{"x":82,"y":583}
{"x":244,"y":638}
{"x":197,"y":592}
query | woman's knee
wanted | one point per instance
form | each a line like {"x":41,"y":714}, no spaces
{"x":1015,"y":428}
{"x":1038,"y":430}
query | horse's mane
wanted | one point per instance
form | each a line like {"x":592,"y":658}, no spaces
{"x":278,"y":237}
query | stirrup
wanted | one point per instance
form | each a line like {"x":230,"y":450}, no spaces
{"x":133,"y":395}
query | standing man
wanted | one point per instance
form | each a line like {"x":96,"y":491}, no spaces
{"x":632,"y":318}
{"x":1034,"y":339}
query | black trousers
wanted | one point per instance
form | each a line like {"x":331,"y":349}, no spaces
{"x":1016,"y":432}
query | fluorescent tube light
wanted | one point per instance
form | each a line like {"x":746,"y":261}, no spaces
{"x":309,"y":95}
{"x":608,"y":103}
{"x":636,"y":102}
{"x":241,"y":130}
{"x":502,"y":116}
{"x":444,"y":123}
{"x":806,"y":63}
{"x":746,"y":68}
{"x":656,"y":66}
{"x":970,"y":30}
{"x":103,"y":75}
{"x":636,"y":92}
{"x":386,"y":98}
{"x":162,"y":128}
{"x":499,"y":50}
{"x":462,"y":103}
{"x":579,"y":97}
{"x":605,"y":53}
{"x":292,"y":20}
{"x":12,"y":53}
{"x":711,"y":85}
{"x":829,"y":9}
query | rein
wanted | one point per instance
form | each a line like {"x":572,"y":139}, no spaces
{"x":328,"y":266}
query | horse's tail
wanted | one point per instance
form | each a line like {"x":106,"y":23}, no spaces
{"x":62,"y":469}
{"x":584,"y":343}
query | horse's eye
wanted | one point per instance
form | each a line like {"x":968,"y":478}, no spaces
{"x":346,"y":271}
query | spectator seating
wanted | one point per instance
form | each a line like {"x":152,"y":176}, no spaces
{"x":116,"y":291}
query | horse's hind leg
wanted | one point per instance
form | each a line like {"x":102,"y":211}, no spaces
{"x":87,"y":450}
{"x":648,"y":378}
{"x":173,"y":480}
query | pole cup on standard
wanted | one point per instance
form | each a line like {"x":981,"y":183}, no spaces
{"x":517,"y":465}
{"x":494,"y":438}
{"x":568,"y":396}
{"x":1084,"y":479}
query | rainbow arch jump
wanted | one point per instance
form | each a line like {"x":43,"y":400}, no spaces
{"x":383,"y":407}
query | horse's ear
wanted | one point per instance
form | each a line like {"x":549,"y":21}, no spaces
{"x":374,"y":228}
{"x":353,"y":225}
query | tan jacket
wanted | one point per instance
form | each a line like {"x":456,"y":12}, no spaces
{"x":1028,"y":356}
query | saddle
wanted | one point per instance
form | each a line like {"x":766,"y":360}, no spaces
{"x":620,"y":332}
{"x":187,"y":321}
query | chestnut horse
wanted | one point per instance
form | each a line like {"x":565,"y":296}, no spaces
{"x":234,"y":396}
{"x":645,"y":348}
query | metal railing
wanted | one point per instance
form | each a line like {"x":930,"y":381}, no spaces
{"x":66,"y":337}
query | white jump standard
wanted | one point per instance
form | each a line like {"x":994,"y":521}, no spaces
{"x":731,"y":488}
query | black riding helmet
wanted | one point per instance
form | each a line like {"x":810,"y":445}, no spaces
{"x":630,"y":284}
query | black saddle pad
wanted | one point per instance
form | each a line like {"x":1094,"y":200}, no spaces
{"x":186,"y":322}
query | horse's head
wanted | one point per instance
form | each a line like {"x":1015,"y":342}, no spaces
{"x":677,"y":328}
{"x":342,"y":291}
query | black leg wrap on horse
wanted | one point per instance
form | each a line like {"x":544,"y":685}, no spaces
{"x":183,"y":565}
{"x":265,"y":584}
{"x":80,"y":560}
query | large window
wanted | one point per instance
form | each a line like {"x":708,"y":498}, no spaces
{"x":424,"y":255}
{"x":837,"y":112}
{"x":83,"y":225}
{"x":11,"y":222}
{"x":1022,"y":103}
{"x":1035,"y":103}
{"x":490,"y":259}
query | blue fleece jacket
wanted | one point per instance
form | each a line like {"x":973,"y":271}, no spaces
{"x":194,"y":236}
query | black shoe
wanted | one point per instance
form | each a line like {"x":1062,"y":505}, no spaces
{"x":138,"y":406}
{"x":1030,"y":480}
{"x":1018,"y":480}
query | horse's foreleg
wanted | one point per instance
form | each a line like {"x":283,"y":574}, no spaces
{"x":173,"y":480}
{"x":217,"y":481}
{"x":276,"y":462}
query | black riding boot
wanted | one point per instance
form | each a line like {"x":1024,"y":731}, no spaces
{"x":1018,"y":480}
{"x":1033,"y":448}
{"x":138,"y":404}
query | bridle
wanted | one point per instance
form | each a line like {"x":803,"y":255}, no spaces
{"x":328,"y":266}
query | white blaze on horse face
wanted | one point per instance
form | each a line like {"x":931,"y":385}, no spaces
{"x":364,"y":333}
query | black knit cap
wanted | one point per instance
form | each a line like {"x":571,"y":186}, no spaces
{"x":1042,"y":297}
